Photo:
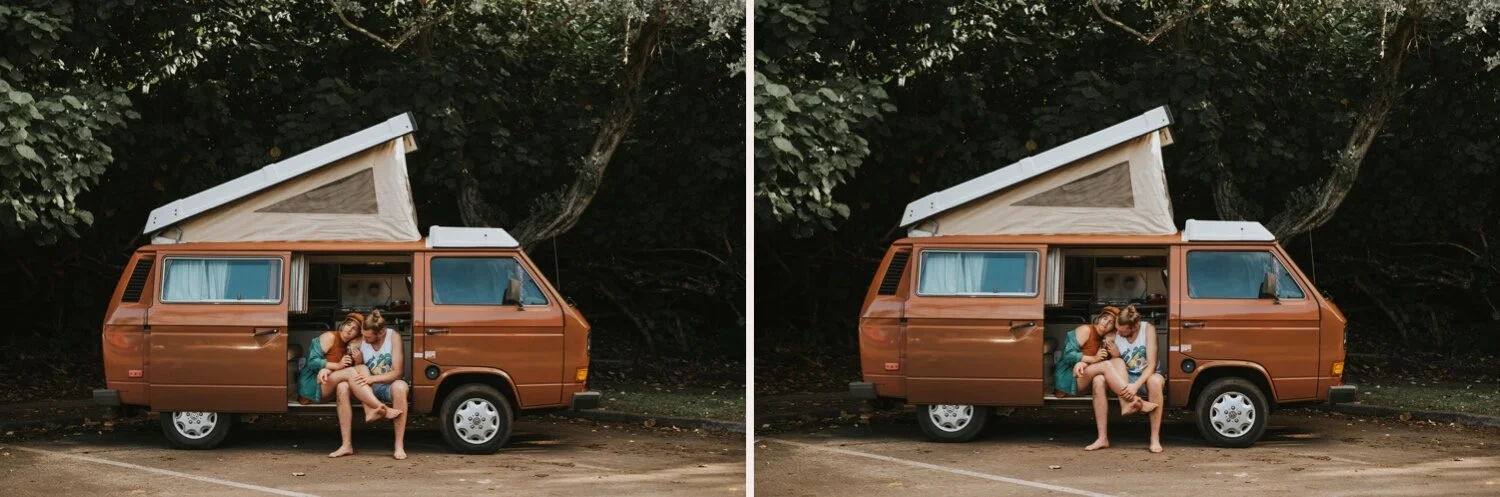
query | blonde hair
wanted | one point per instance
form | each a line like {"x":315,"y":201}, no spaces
{"x":1129,"y":316}
{"x":375,"y":321}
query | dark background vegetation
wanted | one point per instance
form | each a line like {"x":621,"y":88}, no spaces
{"x":864,"y":106}
{"x":110,"y":109}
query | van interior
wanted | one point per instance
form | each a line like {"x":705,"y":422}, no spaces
{"x":1085,"y":279}
{"x":326,"y":287}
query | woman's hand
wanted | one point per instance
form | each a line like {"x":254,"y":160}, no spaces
{"x":1128,"y":395}
{"x":1078,"y":369}
{"x":347,"y":361}
{"x":360,"y":380}
{"x":323,"y":375}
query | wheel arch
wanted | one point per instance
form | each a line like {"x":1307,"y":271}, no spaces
{"x":1248,"y":371}
{"x":457,"y":377}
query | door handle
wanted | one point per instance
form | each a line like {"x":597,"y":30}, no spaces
{"x":1193,"y":324}
{"x":1022,"y":326}
{"x":437,"y":331}
{"x":260,"y":332}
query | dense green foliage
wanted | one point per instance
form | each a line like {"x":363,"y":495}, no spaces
{"x":1268,"y":97}
{"x":509,"y":95}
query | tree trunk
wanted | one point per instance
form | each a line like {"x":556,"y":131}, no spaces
{"x":568,"y":206}
{"x":1313,"y":206}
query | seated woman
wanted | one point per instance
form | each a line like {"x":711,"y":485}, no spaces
{"x":1090,"y":362}
{"x":378,"y":374}
{"x":330,"y":361}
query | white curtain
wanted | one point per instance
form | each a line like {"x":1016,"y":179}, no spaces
{"x":197,"y":279}
{"x":952,"y":273}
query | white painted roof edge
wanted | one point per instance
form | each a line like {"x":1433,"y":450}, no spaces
{"x":266,"y":177}
{"x":1029,"y":167}
{"x":1226,"y":231}
{"x":449,"y":236}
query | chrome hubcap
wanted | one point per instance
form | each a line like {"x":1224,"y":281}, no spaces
{"x":195,"y":424}
{"x":1232,"y":414}
{"x":950,"y":417}
{"x":476,"y":421}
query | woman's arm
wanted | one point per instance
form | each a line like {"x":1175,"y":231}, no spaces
{"x":1071,"y":352}
{"x":317,"y":361}
{"x":328,"y":339}
{"x":397,"y":361}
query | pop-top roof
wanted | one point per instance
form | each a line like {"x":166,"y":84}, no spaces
{"x":1034,"y":166}
{"x":271,"y":175}
{"x":452,"y":237}
{"x":1226,"y":231}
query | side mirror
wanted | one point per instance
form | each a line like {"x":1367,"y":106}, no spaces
{"x":512,"y":293}
{"x":1269,"y":288}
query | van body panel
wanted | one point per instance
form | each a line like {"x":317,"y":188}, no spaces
{"x":226,"y":357}
{"x":426,"y":399}
{"x":1280,"y":335}
{"x":1180,"y":388}
{"x":882,"y":329}
{"x":528,"y":342}
{"x":124,"y":341}
{"x":982,"y":350}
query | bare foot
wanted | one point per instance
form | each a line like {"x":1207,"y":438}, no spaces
{"x":400,"y":454}
{"x":1098,"y":444}
{"x":1128,"y":408}
{"x":392,"y":413}
{"x":343,"y":451}
{"x":372,"y":415}
{"x":1156,"y":448}
{"x":1148,"y":406}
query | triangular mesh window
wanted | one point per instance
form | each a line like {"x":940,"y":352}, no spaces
{"x":1108,"y":188}
{"x":352,"y":194}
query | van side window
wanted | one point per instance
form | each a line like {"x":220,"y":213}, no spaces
{"x":977,"y":273}
{"x":480,"y":281}
{"x":1225,"y":274}
{"x":221,"y":280}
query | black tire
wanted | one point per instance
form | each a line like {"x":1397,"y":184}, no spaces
{"x":470,"y":414}
{"x":947,"y":431}
{"x":196,"y":430}
{"x":1241,"y":409}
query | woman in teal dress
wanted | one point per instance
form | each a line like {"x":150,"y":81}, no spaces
{"x":329,"y":351}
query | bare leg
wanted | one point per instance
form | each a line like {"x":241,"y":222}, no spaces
{"x":1101,"y":415}
{"x":374,"y":408}
{"x":346,"y":421}
{"x":1154,"y":387}
{"x":1114,"y":377}
{"x":398,"y":399}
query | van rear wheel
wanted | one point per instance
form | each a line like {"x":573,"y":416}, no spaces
{"x":1232,"y":412}
{"x":195,"y":430}
{"x":476,"y":419}
{"x":952,"y":422}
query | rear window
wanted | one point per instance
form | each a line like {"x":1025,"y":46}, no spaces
{"x":221,"y":280}
{"x":480,"y":281}
{"x":978,"y":273}
{"x":1226,"y":274}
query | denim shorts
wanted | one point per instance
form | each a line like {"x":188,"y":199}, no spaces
{"x":1145,"y":390}
{"x":382,"y":391}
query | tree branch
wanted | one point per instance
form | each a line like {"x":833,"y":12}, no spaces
{"x":1160,"y":30}
{"x":391,"y":45}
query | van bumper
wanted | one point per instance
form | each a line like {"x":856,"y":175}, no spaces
{"x":585,"y":400}
{"x":1342,"y":394}
{"x":862,"y":390}
{"x":106,"y":397}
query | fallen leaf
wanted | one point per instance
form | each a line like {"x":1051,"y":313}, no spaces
{"x":299,"y":473}
{"x":650,"y":423}
{"x":1054,"y":466}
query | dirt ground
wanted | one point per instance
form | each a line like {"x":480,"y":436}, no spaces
{"x":1303,"y":452}
{"x":545,"y":456}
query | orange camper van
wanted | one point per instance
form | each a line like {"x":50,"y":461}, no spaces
{"x":970,"y":311}
{"x":212,"y":318}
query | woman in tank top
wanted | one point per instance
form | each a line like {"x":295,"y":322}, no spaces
{"x":379,"y":376}
{"x":1136,"y":340}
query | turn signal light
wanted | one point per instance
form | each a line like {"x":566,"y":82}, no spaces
{"x":1338,"y":368}
{"x":582,"y":374}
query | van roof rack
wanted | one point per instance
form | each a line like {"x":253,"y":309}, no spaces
{"x":1226,"y":231}
{"x":455,"y":237}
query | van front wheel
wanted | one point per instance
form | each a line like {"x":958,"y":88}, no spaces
{"x":952,"y":422}
{"x":1232,"y":412}
{"x":476,"y":419}
{"x":195,"y":430}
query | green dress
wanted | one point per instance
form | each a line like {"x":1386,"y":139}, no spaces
{"x":307,"y":382}
{"x":1063,"y":380}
